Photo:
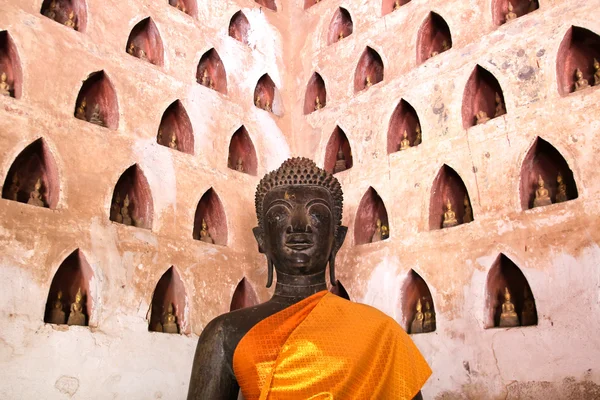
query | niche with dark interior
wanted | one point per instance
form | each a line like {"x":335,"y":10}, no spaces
{"x":387,"y":6}
{"x":270,"y":4}
{"x":98,"y":90}
{"x":577,"y":50}
{"x":133,"y":186}
{"x":74,"y":274}
{"x":482,"y":93}
{"x":244,"y":296}
{"x":500,"y":9}
{"x":169,"y":291}
{"x":239,"y":27}
{"x":433,"y":38}
{"x":505,"y":274}
{"x":210,"y":209}
{"x":414,"y":289}
{"x":369,"y":70}
{"x":60,"y":11}
{"x":190,"y":7}
{"x":447,"y":186}
{"x":370,"y":209}
{"x":242,"y":156}
{"x":265,"y":95}
{"x":315,"y":89}
{"x":145,"y":43}
{"x":404,"y":118}
{"x":175,"y":130}
{"x":544,"y":160}
{"x":211,"y":72}
{"x":337,"y":141}
{"x":340,"y":27}
{"x":340,"y":290}
{"x":10,"y":65}
{"x":34,"y":163}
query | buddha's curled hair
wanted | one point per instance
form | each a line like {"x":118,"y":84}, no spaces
{"x":300,"y":171}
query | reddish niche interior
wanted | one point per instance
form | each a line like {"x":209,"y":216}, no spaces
{"x":145,"y":43}
{"x":242,"y":156}
{"x":338,"y":154}
{"x":414,"y":289}
{"x":448,"y":186}
{"x":404,"y":119}
{"x":578,"y":50}
{"x":270,"y":4}
{"x":387,"y":6}
{"x":264,"y":94}
{"x":369,"y":70}
{"x":74,"y":274}
{"x":239,"y":27}
{"x":97,"y":101}
{"x":505,"y":274}
{"x":211,"y":72}
{"x":506,"y":10}
{"x":244,"y":296}
{"x":340,"y":290}
{"x":35,"y":163}
{"x":133,"y":187}
{"x":169,"y":291}
{"x":370,"y":209}
{"x":210,"y":209}
{"x":316,"y":94}
{"x":71,"y":13}
{"x":483,"y":94}
{"x":433,"y":38}
{"x":10,"y":65}
{"x":175,"y":130}
{"x":544,"y":160}
{"x":340,"y":27}
{"x":190,"y":7}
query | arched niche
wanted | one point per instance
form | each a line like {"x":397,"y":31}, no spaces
{"x":482,"y":94}
{"x":169,"y":290}
{"x":175,"y":130}
{"x":242,"y":156}
{"x":210,"y":209}
{"x":266,"y":95}
{"x":239,"y":27}
{"x":433,"y":38}
{"x":35,"y":163}
{"x":414,"y":289}
{"x":145,"y":43}
{"x":336,"y":160}
{"x":340,"y":27}
{"x":404,"y":119}
{"x":387,"y":6}
{"x":370,"y":209}
{"x":502,"y":14}
{"x":97,"y":101}
{"x":369,"y":70}
{"x":211,"y":72}
{"x":340,"y":290}
{"x":316,"y":94}
{"x":448,"y":186}
{"x":133,"y":186}
{"x":74,"y":274}
{"x":244,"y":296}
{"x":190,"y":7}
{"x":505,"y":274}
{"x":577,"y":50}
{"x":544,"y":160}
{"x":10,"y":64}
{"x":270,"y":4}
{"x":71,"y":13}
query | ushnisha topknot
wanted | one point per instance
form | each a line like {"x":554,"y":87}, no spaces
{"x":300,"y":171}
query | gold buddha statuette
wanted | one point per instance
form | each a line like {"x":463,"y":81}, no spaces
{"x":500,"y":109}
{"x":445,"y":45}
{"x":481,"y":117}
{"x":528,"y":315}
{"x":57,"y":314}
{"x":52,"y":10}
{"x":258,"y":101}
{"x":542,"y":198}
{"x":125,"y":217}
{"x":15,"y":187}
{"x":580,"y":82}
{"x":508,"y":317}
{"x":204,"y":234}
{"x":561,"y":191}
{"x":239,"y":165}
{"x":449,"y":216}
{"x":416,"y":325}
{"x":268,"y":106}
{"x":170,"y":321}
{"x":404,"y":144}
{"x":141,"y":54}
{"x":131,"y":50}
{"x":80,"y":111}
{"x":340,"y":163}
{"x":4,"y":86}
{"x":341,"y":36}
{"x":180,"y":5}
{"x":159,"y":137}
{"x":418,"y":138}
{"x":115,"y":209}
{"x":368,"y":82}
{"x":377,"y":234}
{"x":385,"y":232}
{"x":596,"y":72}
{"x":468,"y":217}
{"x":510,"y":15}
{"x":173,"y":142}
{"x":318,"y":104}
{"x":428,"y":318}
{"x":70,"y":22}
{"x":76,"y":316}
{"x":36,"y":197}
{"x":205,"y":80}
{"x":396,"y":5}
{"x":96,"y":117}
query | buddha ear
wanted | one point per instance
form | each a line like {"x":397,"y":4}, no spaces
{"x":260,"y":238}
{"x":339,"y":238}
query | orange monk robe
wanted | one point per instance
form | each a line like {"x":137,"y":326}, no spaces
{"x":326,"y":347}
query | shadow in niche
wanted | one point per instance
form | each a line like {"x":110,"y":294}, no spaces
{"x":10,"y":65}
{"x":404,"y":119}
{"x":414,"y":289}
{"x":482,"y":94}
{"x":338,"y":154}
{"x":211,"y":211}
{"x":433,"y":38}
{"x":340,"y":27}
{"x":270,"y":4}
{"x":71,"y":13}
{"x":97,"y":101}
{"x":34,"y":163}
{"x":578,"y":50}
{"x":244,"y":296}
{"x":340,"y":290}
{"x":132,"y":200}
{"x":211,"y":72}
{"x":448,"y":186}
{"x":169,"y":291}
{"x":369,"y":70}
{"x":502,"y":14}
{"x":387,"y":6}
{"x":316,"y":94}
{"x":239,"y":27}
{"x":145,"y":43}
{"x":175,"y":130}
{"x":242,"y":156}
{"x":370,"y":209}
{"x":190,"y":7}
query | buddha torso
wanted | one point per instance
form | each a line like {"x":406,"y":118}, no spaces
{"x":170,"y":324}
{"x":580,"y":82}
{"x":509,"y":317}
{"x":428,"y":319}
{"x":4,"y":86}
{"x":340,"y":163}
{"x":35,"y":199}
{"x":57,"y":314}
{"x":76,"y":316}
{"x":449,"y":218}
{"x":205,"y":237}
{"x":542,"y":197}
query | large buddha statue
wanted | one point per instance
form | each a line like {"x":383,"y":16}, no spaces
{"x":416,"y":325}
{"x":57,"y":314}
{"x":76,"y":316}
{"x":428,"y":318}
{"x":542,"y":197}
{"x":449,"y":216}
{"x":280,"y":349}
{"x":508,"y":317}
{"x":561,"y":189}
{"x":4,"y":86}
{"x":340,"y":162}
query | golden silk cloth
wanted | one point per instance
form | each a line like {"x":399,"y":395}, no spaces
{"x":326,"y":347}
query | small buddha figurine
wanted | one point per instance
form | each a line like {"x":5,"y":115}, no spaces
{"x":580,"y":82}
{"x":126,"y":218}
{"x":528,"y":315}
{"x":115,"y":209}
{"x":542,"y":198}
{"x":239,"y":165}
{"x":318,"y":104}
{"x":170,"y":321}
{"x":96,"y":117}
{"x":596,"y":72}
{"x":481,"y":117}
{"x":70,"y":22}
{"x":4,"y":86}
{"x":52,"y":9}
{"x":508,"y":317}
{"x":340,"y":163}
{"x":428,"y":318}
{"x":35,"y":197}
{"x":434,"y":53}
{"x":404,"y":144}
{"x":57,"y":315}
{"x":417,"y":323}
{"x":510,"y":15}
{"x":180,"y":5}
{"x":377,"y":236}
{"x":80,"y":111}
{"x":468,"y":217}
{"x":142,"y":55}
{"x":173,"y":142}
{"x":396,"y":5}
{"x":368,"y":82}
{"x":76,"y":316}
{"x":449,"y":216}
{"x":341,"y":36}
{"x":561,"y":191}
{"x":385,"y":232}
{"x":204,"y":234}
{"x":268,"y":106}
{"x":131,"y":49}
{"x":500,"y":109}
{"x":257,"y":101}
{"x":418,"y":139}
{"x":159,"y":137}
{"x":15,"y":186}
{"x":445,"y":45}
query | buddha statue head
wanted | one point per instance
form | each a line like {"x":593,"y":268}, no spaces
{"x":578,"y":74}
{"x":204,"y":226}
{"x":4,"y":77}
{"x":299,"y":211}
{"x":58,"y":302}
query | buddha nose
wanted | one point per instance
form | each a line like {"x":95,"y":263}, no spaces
{"x":300,"y":223}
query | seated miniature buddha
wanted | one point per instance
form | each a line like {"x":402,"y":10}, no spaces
{"x":318,"y":104}
{"x":418,"y":138}
{"x":510,"y":15}
{"x":15,"y":187}
{"x":173,"y":142}
{"x":180,"y":5}
{"x":131,"y":49}
{"x":340,"y":162}
{"x":368,"y":82}
{"x":508,"y":317}
{"x":500,"y":109}
{"x":51,"y":11}
{"x":96,"y":117}
{"x":468,"y":217}
{"x":404,"y":144}
{"x":76,"y":316}
{"x":428,"y":318}
{"x":115,"y":209}
{"x":449,"y":216}
{"x":376,"y":237}
{"x":385,"y":232}
{"x":596,"y":72}
{"x":125,"y":217}
{"x":205,"y":80}
{"x":81,"y":109}
{"x":169,"y":324}
{"x":239,"y":165}
{"x":341,"y":35}
{"x":396,"y":5}
{"x":354,"y":351}
{"x":141,"y":54}
{"x":35,"y":197}
{"x":542,"y":197}
{"x":268,"y":106}
{"x":258,"y":101}
{"x":481,"y":117}
{"x":204,"y":234}
{"x":561,"y":190}
{"x":416,"y":325}
{"x":70,"y":22}
{"x":528,"y":314}
{"x":57,"y":314}
{"x":4,"y":86}
{"x":580,"y":82}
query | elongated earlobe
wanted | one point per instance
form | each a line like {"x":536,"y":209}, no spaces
{"x":269,"y":272}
